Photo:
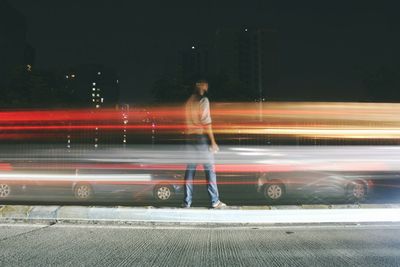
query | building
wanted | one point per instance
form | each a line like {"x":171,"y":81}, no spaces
{"x":124,"y":109}
{"x":196,"y":62}
{"x":248,"y":56}
{"x":92,"y":85}
{"x":14,"y":49}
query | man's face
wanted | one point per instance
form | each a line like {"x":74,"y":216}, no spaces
{"x":202,"y":87}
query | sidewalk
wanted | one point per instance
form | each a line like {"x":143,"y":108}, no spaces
{"x":239,"y":215}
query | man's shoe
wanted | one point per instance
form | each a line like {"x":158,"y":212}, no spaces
{"x":185,"y":206}
{"x":219,"y":205}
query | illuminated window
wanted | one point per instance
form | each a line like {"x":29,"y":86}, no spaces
{"x":66,"y":76}
{"x":193,"y":47}
{"x":72,"y":75}
{"x":99,"y":73}
{"x":94,"y":84}
{"x":94,"y":89}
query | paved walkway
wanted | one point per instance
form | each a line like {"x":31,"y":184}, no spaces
{"x":89,"y":245}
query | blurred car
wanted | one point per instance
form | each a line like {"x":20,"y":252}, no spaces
{"x":350,"y":186}
{"x":144,"y":185}
{"x":49,"y":183}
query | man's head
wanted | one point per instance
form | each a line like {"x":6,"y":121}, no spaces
{"x":201,"y":87}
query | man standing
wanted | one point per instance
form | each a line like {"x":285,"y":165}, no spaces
{"x":201,"y":144}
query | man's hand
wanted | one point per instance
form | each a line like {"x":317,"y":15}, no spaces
{"x":214,"y":147}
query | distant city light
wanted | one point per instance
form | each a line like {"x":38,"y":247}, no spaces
{"x":29,"y":67}
{"x":66,"y":76}
{"x":99,"y":73}
{"x":193,"y":47}
{"x":117,"y":81}
{"x":72,"y":75}
{"x":94,"y":89}
{"x":94,"y":84}
{"x":245,"y":29}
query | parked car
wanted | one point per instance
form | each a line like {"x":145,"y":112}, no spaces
{"x":351,"y":186}
{"x":88,"y":184}
{"x":148,"y":185}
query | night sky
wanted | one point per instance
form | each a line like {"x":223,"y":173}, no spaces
{"x":322,"y":44}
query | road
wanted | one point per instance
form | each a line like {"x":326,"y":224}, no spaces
{"x":90,"y":245}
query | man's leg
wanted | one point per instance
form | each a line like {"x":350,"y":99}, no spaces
{"x":189,"y":175}
{"x":212,"y":186}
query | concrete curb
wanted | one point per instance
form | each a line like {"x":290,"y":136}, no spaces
{"x":243,"y":215}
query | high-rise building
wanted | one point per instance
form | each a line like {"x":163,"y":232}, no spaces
{"x":196,"y":62}
{"x":14,"y":49}
{"x":249,"y":56}
{"x":93,"y":85}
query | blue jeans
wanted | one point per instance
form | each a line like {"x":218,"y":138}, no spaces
{"x":199,"y":153}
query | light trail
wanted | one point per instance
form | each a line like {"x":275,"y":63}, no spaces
{"x":230,"y":120}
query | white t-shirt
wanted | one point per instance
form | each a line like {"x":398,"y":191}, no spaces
{"x":198,"y":115}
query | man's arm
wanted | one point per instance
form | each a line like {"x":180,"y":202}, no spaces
{"x":214,"y":147}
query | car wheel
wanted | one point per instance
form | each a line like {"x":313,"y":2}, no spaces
{"x":357,"y":190}
{"x":274,"y":191}
{"x":5,"y":191}
{"x":83,"y":192}
{"x":163,"y":193}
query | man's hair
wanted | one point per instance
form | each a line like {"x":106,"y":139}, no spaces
{"x":201,"y":81}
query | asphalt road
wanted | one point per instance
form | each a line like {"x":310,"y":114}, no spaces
{"x":86,"y":245}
